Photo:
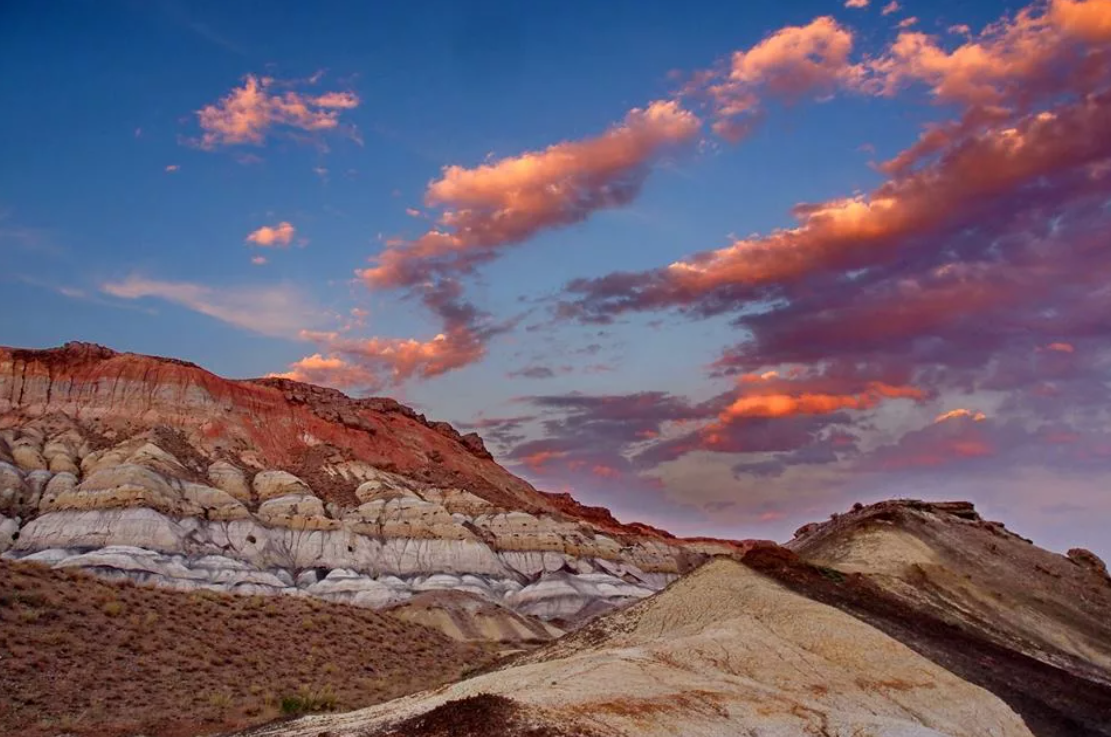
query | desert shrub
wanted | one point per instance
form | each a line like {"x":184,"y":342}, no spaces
{"x":308,"y":700}
{"x":112,"y":608}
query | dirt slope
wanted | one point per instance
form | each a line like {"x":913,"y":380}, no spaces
{"x":84,"y":657}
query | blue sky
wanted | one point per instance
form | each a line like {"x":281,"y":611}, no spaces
{"x":123,"y":224}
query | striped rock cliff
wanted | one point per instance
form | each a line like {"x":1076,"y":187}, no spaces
{"x":158,"y":471}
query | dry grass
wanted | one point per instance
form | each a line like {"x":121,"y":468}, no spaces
{"x":94,"y":658}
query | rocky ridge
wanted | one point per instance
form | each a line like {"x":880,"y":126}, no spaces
{"x":158,"y":471}
{"x":944,"y":558}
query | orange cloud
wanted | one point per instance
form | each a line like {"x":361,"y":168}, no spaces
{"x":794,"y":61}
{"x":862,"y":230}
{"x":277,"y":236}
{"x":375,"y":362}
{"x":856,"y":3}
{"x":1089,"y":20}
{"x":1002,"y":62}
{"x":248,"y":113}
{"x":1060,"y":347}
{"x":330,"y":371}
{"x":806,"y":403}
{"x":952,"y":414}
{"x":491,"y":206}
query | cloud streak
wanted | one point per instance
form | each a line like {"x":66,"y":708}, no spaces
{"x":279,"y":310}
{"x":493,"y":206}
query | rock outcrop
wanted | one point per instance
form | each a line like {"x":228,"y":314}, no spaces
{"x":158,"y":471}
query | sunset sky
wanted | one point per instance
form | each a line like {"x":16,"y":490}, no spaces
{"x":725,"y":268}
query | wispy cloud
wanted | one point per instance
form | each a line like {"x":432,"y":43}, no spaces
{"x":278,"y":310}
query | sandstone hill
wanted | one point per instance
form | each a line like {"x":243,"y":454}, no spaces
{"x":158,"y":471}
{"x":85,"y":657}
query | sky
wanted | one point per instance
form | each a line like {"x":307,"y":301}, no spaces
{"x":725,"y":268}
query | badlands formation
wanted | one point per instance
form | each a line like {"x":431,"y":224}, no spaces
{"x":899,"y":619}
{"x":157,"y":471}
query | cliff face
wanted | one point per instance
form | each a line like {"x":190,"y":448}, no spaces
{"x":157,"y":470}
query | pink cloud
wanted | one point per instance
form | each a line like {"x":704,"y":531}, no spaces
{"x":492,"y":206}
{"x":377,"y":362}
{"x":276,"y":236}
{"x":1036,"y":52}
{"x":248,"y":114}
{"x":975,"y":416}
{"x":891,"y":7}
{"x":792,"y":62}
{"x":172,"y":168}
{"x":856,"y":3}
{"x":974,"y":172}
{"x":259,"y":260}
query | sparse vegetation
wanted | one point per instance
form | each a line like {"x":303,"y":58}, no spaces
{"x":308,"y":700}
{"x":87,"y":657}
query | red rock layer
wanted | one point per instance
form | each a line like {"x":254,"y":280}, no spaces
{"x":283,"y":423}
